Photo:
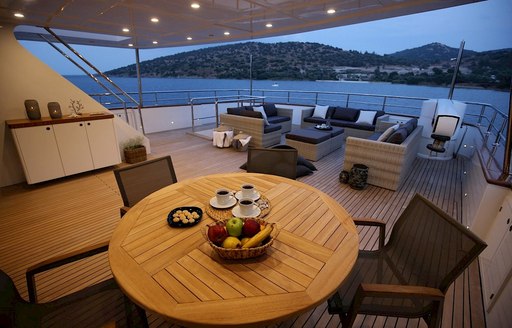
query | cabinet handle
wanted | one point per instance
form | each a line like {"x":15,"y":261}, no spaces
{"x":48,"y":128}
{"x":88,"y":123}
{"x":81,"y":124}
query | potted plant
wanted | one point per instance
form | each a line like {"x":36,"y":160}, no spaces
{"x":134,"y":150}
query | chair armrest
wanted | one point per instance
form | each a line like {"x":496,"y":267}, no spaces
{"x":374,"y":223}
{"x":123,"y":210}
{"x":383,"y":290}
{"x":60,"y":260}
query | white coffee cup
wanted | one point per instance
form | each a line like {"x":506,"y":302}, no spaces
{"x":248,"y":190}
{"x":222,"y":196}
{"x":246,"y":206}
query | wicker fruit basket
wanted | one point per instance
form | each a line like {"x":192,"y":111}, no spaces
{"x":242,"y":253}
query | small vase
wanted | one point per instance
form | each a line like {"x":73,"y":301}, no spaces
{"x":344,"y":176}
{"x":32,"y":108}
{"x":358,"y":177}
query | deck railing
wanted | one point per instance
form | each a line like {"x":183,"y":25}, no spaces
{"x":492,"y":122}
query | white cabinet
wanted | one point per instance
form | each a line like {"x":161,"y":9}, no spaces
{"x":54,"y":148}
{"x":73,"y":147}
{"x":38,"y":153}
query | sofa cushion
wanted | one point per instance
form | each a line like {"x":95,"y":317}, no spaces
{"x":398,"y":136}
{"x":389,"y":131}
{"x":345,"y":114}
{"x":315,"y":120}
{"x":308,"y":136}
{"x":353,"y":125}
{"x":410,"y":125}
{"x":235,"y":110}
{"x":366,"y":117}
{"x":271,"y":128}
{"x":277,"y":119}
{"x":250,"y":113}
{"x":320,"y":111}
{"x":270,"y":109}
{"x":263,"y":114}
{"x":378,"y":114}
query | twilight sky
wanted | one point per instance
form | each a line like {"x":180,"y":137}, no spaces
{"x":483,"y":26}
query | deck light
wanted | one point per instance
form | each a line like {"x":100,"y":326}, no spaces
{"x":269,"y":25}
{"x":19,"y":15}
{"x":189,"y":38}
{"x":155,"y":20}
{"x":155,"y":42}
{"x":195,"y":5}
{"x":331,"y":11}
{"x":227,"y":33}
{"x":130,"y":44}
{"x":126,"y":30}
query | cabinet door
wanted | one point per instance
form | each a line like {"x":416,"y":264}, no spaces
{"x":73,"y":147}
{"x":39,"y":153}
{"x":103,"y":143}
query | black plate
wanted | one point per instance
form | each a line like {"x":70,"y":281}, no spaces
{"x":180,"y":224}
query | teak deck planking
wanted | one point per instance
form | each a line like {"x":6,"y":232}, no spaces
{"x":50,"y":218}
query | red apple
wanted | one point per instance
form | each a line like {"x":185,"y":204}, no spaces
{"x":250,"y":228}
{"x":217,"y":233}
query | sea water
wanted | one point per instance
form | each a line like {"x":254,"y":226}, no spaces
{"x":499,"y":99}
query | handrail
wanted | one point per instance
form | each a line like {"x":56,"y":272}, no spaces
{"x":218,"y":100}
{"x":483,"y":115}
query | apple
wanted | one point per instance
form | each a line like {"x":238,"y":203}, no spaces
{"x":250,"y":228}
{"x":217,"y":234}
{"x":231,"y":242}
{"x":234,"y":226}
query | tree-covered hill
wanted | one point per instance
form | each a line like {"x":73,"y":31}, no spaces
{"x":429,"y":64}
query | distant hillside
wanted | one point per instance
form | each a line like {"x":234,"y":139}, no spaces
{"x":429,"y":64}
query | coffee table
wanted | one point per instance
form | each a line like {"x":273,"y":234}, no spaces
{"x":313,"y":143}
{"x":174,"y":272}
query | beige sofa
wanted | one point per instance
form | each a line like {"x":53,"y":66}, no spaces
{"x":388,"y":163}
{"x":254,"y":127}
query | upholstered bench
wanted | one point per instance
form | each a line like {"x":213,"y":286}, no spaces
{"x":314,"y":144}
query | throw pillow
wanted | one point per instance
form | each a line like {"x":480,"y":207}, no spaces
{"x":366,"y":117}
{"x":345,"y":114}
{"x":234,"y":111}
{"x":302,"y":171}
{"x":261,"y":110}
{"x":302,"y":161}
{"x":389,"y":131}
{"x":320,"y":111}
{"x":270,"y":109}
{"x":398,"y":136}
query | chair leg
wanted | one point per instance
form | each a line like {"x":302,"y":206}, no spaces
{"x":433,"y":320}
{"x":141,"y":314}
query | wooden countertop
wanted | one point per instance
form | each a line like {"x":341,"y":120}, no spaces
{"x":175,"y":272}
{"x":25,"y":122}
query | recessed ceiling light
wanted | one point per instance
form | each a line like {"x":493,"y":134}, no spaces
{"x":189,"y":38}
{"x":155,"y":42}
{"x":195,"y":5}
{"x":19,"y":15}
{"x":269,"y":25}
{"x":331,"y":11}
{"x":126,"y":30}
{"x":155,"y":20}
{"x":227,"y":33}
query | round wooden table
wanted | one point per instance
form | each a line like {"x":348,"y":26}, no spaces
{"x":175,"y":273}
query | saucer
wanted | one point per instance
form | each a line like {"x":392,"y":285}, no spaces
{"x":254,"y":213}
{"x":255,"y":196}
{"x":232,"y":201}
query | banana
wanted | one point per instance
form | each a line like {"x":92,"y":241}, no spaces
{"x":259,"y":237}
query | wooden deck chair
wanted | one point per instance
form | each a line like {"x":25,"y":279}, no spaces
{"x":282,"y":162}
{"x":409,"y":276}
{"x":141,"y":179}
{"x":99,"y":305}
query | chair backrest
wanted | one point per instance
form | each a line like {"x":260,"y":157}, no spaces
{"x":282,"y":162}
{"x":430,"y":248}
{"x":141,"y":179}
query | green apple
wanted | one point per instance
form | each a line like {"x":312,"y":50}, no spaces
{"x":234,"y":226}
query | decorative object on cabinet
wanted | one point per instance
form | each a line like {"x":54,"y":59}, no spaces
{"x":134,"y":150}
{"x":32,"y":108}
{"x":76,"y":108}
{"x":54,"y":109}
